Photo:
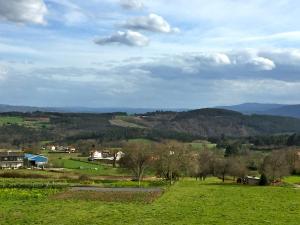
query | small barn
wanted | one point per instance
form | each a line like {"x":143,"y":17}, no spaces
{"x":35,"y":160}
{"x":252,"y":180}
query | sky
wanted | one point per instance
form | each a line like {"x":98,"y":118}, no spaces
{"x":149,"y":53}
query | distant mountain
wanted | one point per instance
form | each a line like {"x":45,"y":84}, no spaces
{"x":287,"y":110}
{"x":266,"y":109}
{"x":251,"y":108}
{"x":25,"y":109}
{"x":218,"y":122}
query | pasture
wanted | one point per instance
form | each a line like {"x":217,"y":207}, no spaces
{"x":187,"y":202}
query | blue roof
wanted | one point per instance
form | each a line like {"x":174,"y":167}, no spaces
{"x":36,"y":158}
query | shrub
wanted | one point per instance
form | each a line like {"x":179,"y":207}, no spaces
{"x":263,"y":180}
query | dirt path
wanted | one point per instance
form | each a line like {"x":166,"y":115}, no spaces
{"x":133,"y":190}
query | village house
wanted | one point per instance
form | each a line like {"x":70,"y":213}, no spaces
{"x":105,"y":155}
{"x":11,"y":160}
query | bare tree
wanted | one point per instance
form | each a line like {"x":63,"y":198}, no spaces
{"x":275,"y":165}
{"x":138,"y":156}
{"x":206,"y":160}
{"x":171,"y":159}
{"x":237,"y":167}
{"x":221,"y":167}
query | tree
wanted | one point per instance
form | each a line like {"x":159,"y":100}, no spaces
{"x":221,"y":167}
{"x":205,"y":163}
{"x":263,"y":180}
{"x":275,"y":166}
{"x":171,"y":159}
{"x":237,"y":167}
{"x":232,"y":149}
{"x":138,"y":156}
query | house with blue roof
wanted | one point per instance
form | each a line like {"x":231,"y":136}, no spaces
{"x":31,"y":160}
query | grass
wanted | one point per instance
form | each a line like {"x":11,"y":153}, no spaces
{"x":292,"y":179}
{"x":200,"y":145}
{"x":187,"y":202}
{"x":4,"y":120}
{"x":91,"y":168}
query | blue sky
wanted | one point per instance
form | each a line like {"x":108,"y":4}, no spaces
{"x":158,"y":53}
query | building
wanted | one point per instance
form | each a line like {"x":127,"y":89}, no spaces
{"x":11,"y":160}
{"x":105,"y":155}
{"x":62,"y":149}
{"x":252,"y":180}
{"x":35,"y":160}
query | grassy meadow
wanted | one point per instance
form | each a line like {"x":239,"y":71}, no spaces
{"x":187,"y":202}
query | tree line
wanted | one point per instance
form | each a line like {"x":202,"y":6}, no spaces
{"x":171,"y":160}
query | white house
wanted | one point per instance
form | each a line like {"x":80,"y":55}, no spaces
{"x":105,"y":155}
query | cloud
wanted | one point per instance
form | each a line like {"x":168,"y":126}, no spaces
{"x":131,"y":4}
{"x":3,"y":73}
{"x":152,"y":22}
{"x":130,"y":38}
{"x":23,"y":11}
{"x":263,"y":63}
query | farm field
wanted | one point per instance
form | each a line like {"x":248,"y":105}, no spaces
{"x":193,"y":202}
{"x":23,"y":121}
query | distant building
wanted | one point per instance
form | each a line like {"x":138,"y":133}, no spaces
{"x":12,"y":160}
{"x":62,"y":149}
{"x":252,"y":180}
{"x":35,"y":160}
{"x":105,"y":155}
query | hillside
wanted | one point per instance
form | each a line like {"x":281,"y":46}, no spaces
{"x":23,"y":128}
{"x":217,"y":122}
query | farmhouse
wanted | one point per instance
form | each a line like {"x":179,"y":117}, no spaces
{"x":35,"y":160}
{"x":105,"y":155}
{"x":12,"y":160}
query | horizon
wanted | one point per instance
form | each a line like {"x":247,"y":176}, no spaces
{"x":149,"y":54}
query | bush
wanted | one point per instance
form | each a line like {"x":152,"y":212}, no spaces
{"x":263,"y":180}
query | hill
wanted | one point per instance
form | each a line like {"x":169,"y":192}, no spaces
{"x":218,"y":122}
{"x":18,"y":129}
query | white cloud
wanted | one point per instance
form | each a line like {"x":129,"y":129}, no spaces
{"x":252,"y":58}
{"x":23,"y":11}
{"x":152,"y":22}
{"x":131,"y":4}
{"x":263,"y":63}
{"x":130,"y":38}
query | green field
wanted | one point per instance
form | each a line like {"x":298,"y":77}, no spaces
{"x":292,"y":180}
{"x":82,"y":165}
{"x":4,"y":120}
{"x":201,"y":144}
{"x":7,"y":120}
{"x":187,"y":202}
